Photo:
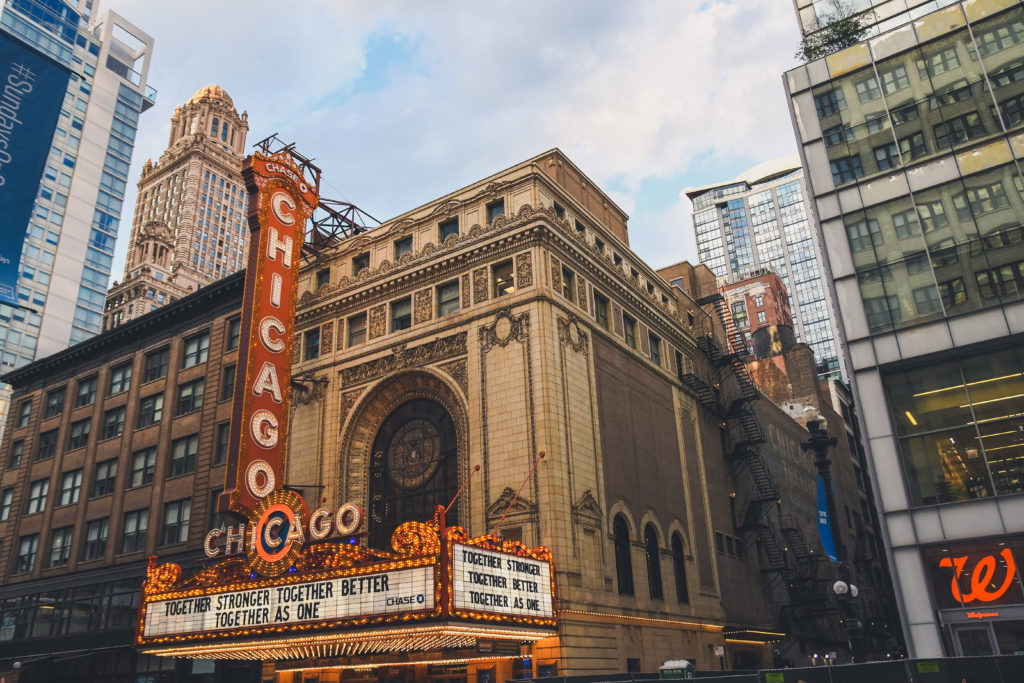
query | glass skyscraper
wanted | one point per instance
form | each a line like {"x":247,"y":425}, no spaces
{"x":913,"y":141}
{"x":760,"y":221}
{"x":69,"y":241}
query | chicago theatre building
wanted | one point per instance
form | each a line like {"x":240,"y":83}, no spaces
{"x":432,"y":360}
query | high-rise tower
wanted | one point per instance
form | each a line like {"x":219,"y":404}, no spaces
{"x":912,"y":140}
{"x":189,"y":224}
{"x":759,"y":221}
{"x":67,"y":243}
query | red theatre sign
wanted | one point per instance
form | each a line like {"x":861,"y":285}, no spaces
{"x":280,"y":203}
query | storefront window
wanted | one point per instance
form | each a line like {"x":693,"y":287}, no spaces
{"x":961,"y":426}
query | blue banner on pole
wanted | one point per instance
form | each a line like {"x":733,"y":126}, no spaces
{"x":32,"y":89}
{"x":825,"y":522}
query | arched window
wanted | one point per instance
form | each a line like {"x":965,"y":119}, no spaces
{"x":413,"y":468}
{"x":653,"y":562}
{"x":224,"y":131}
{"x":623,"y":562}
{"x":214,"y":126}
{"x":679,"y":564}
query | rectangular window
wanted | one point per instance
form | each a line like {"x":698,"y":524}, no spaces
{"x":447,"y":228}
{"x":136,"y":525}
{"x":28,"y":546}
{"x":143,"y":466}
{"x":360,"y":263}
{"x":196,"y":348}
{"x":601,"y":310}
{"x":933,"y":215}
{"x":24,"y":412}
{"x":323,"y":277}
{"x":895,"y":79}
{"x":176,"y":517}
{"x":504,"y":280}
{"x":864,"y":234}
{"x":233,"y":332}
{"x":568,"y":284}
{"x":70,"y":487}
{"x":151,"y":409}
{"x":913,"y":146}
{"x":887,"y":156}
{"x":401,"y":314}
{"x":86,"y":392}
{"x":79,"y":435}
{"x":220,"y":455}
{"x":105,"y":478}
{"x":448,"y":298}
{"x":958,"y":129}
{"x":96,"y":533}
{"x":16,"y":453}
{"x":495,"y":209}
{"x":227,"y":383}
{"x":953,"y":293}
{"x":403,"y":246}
{"x":846,"y":169}
{"x":905,"y":224}
{"x":54,"y":403}
{"x":655,"y":343}
{"x":978,"y":201}
{"x":60,"y":546}
{"x":113,"y":422}
{"x":156,"y":364}
{"x":829,"y":103}
{"x":120,"y":379}
{"x":183,"y":455}
{"x":6,"y":499}
{"x":867,"y":89}
{"x":37,"y":492}
{"x":311,"y":344}
{"x":926,"y":299}
{"x":629,"y":330}
{"x":357,"y":330}
{"x":47,"y":446}
{"x":190,"y":396}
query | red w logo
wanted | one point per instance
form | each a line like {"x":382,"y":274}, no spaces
{"x":981,"y":577}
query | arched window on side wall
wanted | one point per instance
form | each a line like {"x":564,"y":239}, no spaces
{"x":214,"y":126}
{"x":679,"y":564}
{"x":623,"y":562}
{"x":653,"y":563}
{"x":224,"y":131}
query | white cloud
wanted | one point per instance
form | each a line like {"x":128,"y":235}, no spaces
{"x":630,"y":91}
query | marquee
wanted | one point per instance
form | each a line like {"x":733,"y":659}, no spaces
{"x":437,"y":587}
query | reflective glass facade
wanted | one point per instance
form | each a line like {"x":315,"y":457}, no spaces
{"x":743,"y":226}
{"x":96,"y":128}
{"x":912,"y":141}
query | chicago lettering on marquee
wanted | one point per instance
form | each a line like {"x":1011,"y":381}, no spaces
{"x":280,"y":203}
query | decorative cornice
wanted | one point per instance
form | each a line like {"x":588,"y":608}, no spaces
{"x":402,"y":358}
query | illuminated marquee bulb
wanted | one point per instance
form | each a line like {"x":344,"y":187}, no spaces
{"x":263,"y":428}
{"x":252,"y":472}
{"x":278,"y":202}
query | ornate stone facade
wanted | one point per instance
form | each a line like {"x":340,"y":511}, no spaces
{"x":189,"y":226}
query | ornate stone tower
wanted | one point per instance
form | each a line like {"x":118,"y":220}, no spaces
{"x":189,"y":223}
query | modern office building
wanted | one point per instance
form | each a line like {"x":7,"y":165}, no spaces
{"x":189,"y":226}
{"x":760,"y":221}
{"x":69,"y":240}
{"x":911,"y":140}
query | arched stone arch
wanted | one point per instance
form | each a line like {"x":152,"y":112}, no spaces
{"x":620,"y":507}
{"x":652,"y":519}
{"x":676,"y":527}
{"x":375,"y":406}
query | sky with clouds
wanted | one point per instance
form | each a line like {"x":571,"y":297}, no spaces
{"x":402,"y":102}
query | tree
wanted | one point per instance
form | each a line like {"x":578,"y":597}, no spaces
{"x":835,"y":29}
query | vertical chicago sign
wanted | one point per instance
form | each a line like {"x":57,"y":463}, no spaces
{"x":280,"y":203}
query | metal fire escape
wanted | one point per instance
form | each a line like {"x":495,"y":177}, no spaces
{"x":790,"y":570}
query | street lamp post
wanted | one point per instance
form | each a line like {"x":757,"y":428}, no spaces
{"x":819,"y":444}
